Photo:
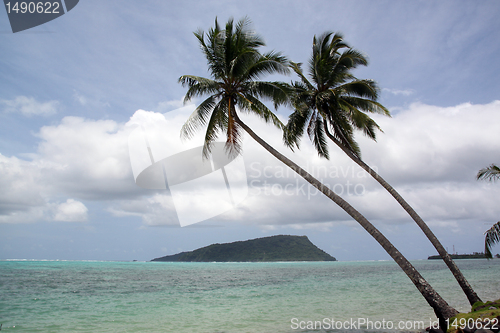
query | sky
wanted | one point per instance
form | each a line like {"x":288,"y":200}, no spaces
{"x":78,"y":94}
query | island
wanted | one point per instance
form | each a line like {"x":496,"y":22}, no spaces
{"x":266,"y":249}
{"x":475,"y":255}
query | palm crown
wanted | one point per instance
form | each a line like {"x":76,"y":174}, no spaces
{"x":335,"y":103}
{"x":235,"y":65}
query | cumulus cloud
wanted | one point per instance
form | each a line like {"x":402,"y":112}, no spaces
{"x":427,"y":143}
{"x":71,"y":211}
{"x":21,"y":196}
{"x":28,"y":106}
{"x":78,"y":159}
{"x":86,"y":158}
{"x":430,"y":154}
{"x":403,"y":92}
{"x":154,"y":210}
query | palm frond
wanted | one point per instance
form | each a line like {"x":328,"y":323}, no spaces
{"x":318,"y":137}
{"x":296,"y":67}
{"x":212,"y":50}
{"x":492,"y":236}
{"x":366,"y":105}
{"x":278,"y":92}
{"x":217,"y":123}
{"x":248,"y":102}
{"x":295,"y":126}
{"x":342,"y":130}
{"x":491,"y":173}
{"x":363,"y":122}
{"x":198,"y":86}
{"x":269,"y":63}
{"x":351,"y":58}
{"x":360,"y":88}
{"x":351,"y":145}
{"x":337,"y":43}
{"x":198,"y":118}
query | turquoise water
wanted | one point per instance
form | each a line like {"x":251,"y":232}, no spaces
{"x":77,"y":296}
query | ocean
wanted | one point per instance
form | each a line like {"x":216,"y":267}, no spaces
{"x":91,"y":296}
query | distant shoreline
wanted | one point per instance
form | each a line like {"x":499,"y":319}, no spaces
{"x":475,"y":255}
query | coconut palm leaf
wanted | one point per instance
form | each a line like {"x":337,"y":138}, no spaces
{"x":490,"y":173}
{"x":492,"y":236}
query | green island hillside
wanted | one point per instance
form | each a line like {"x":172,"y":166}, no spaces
{"x":266,"y":249}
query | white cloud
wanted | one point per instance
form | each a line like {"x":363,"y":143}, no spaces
{"x":87,"y":158}
{"x":430,"y":154}
{"x":80,"y":98}
{"x":155,"y":210}
{"x":404,"y":92}
{"x":84,"y":160}
{"x":25,"y":194}
{"x":427,"y":143}
{"x":78,"y":158}
{"x":71,"y":211}
{"x":28,"y":106}
{"x":21,"y":197}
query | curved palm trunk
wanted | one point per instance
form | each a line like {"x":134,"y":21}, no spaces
{"x":464,"y":284}
{"x":442,"y":310}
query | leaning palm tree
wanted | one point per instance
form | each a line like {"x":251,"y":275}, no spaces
{"x":235,"y":65}
{"x":334,"y":105}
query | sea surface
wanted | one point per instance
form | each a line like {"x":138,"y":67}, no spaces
{"x":90,"y":296}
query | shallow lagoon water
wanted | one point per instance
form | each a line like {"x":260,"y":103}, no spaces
{"x":82,"y":296}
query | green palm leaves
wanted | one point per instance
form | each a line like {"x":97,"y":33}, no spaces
{"x":490,"y":173}
{"x":492,"y":235}
{"x":333,"y":103}
{"x":235,"y":67}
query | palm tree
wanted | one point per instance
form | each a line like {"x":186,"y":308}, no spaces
{"x":334,"y":105}
{"x":235,"y":65}
{"x":492,"y":235}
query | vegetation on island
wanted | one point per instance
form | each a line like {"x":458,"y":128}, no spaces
{"x":266,"y":249}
